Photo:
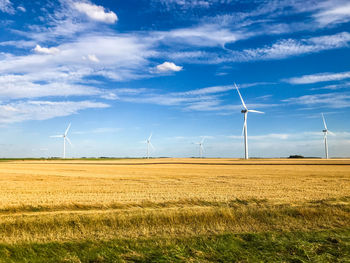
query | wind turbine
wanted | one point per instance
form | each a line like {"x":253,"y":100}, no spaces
{"x":245,"y":112}
{"x":64,"y":136}
{"x":148,"y":141}
{"x":325,"y":133}
{"x":201,"y":149}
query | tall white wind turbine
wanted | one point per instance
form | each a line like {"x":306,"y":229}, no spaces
{"x":65,"y":138}
{"x":325,"y":133}
{"x":148,"y":141}
{"x":201,"y":148}
{"x":245,"y":112}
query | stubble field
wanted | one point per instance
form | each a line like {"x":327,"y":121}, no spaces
{"x":174,"y":210}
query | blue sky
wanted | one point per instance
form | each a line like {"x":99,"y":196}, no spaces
{"x":119,"y":70}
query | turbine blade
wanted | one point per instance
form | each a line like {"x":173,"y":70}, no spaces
{"x":241,"y":97}
{"x":152,"y":145}
{"x":202,"y":140}
{"x":149,"y":138}
{"x":66,"y":132}
{"x":69,"y":141}
{"x":256,"y":111}
{"x":324,"y":122}
{"x":331,"y":133}
{"x":56,"y":136}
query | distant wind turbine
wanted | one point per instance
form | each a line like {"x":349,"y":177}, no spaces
{"x":245,"y":111}
{"x":64,"y":136}
{"x":201,"y":148}
{"x":148,"y":141}
{"x":325,"y":133}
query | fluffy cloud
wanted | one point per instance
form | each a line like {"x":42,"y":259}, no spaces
{"x":45,"y":50}
{"x":96,"y":13}
{"x":168,"y":67}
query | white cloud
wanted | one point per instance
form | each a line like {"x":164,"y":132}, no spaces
{"x":209,"y":90}
{"x":291,"y":47}
{"x":168,"y":67}
{"x":21,"y":8}
{"x":187,"y":4}
{"x":93,"y":58}
{"x":43,"y":110}
{"x":18,"y":43}
{"x":45,"y":50}
{"x":329,"y":100}
{"x":204,"y":35}
{"x":261,"y":18}
{"x":320,"y":77}
{"x":279,"y":50}
{"x":334,"y":86}
{"x":97,"y":13}
{"x":32,"y":86}
{"x":6,"y":6}
{"x":120,"y":58}
{"x":337,"y":13}
{"x":187,"y":55}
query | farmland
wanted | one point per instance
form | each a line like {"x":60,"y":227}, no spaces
{"x":74,"y":206}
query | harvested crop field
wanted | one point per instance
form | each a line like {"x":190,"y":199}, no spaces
{"x":166,"y":199}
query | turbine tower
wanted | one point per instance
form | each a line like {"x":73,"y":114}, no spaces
{"x":148,"y":141}
{"x":245,"y":112}
{"x":201,"y":149}
{"x":325,"y":133}
{"x":65,"y":137}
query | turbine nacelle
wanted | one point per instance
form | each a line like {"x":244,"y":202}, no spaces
{"x":244,"y":111}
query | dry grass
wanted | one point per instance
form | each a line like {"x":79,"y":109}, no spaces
{"x":168,"y":222}
{"x":106,"y":182}
{"x":74,"y":199}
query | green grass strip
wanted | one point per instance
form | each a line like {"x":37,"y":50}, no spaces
{"x":320,"y":246}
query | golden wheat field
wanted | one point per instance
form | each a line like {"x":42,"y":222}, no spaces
{"x":102,"y":199}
